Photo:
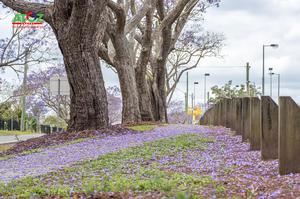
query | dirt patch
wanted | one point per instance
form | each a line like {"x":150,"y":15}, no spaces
{"x":64,"y":137}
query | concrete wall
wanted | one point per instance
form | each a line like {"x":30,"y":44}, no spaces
{"x":276,"y":135}
{"x":227,"y":109}
{"x":223,"y":113}
{"x":246,"y":119}
{"x":255,"y":124}
{"x":239,"y":113}
{"x":289,"y":136}
{"x":269,"y":128}
{"x":233,"y":123}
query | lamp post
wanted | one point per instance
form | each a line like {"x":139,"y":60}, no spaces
{"x":193,"y":101}
{"x":263,"y":75}
{"x":195,"y":83}
{"x":24,"y":87}
{"x":278,"y":78}
{"x":205,"y":75}
{"x":271,"y":81}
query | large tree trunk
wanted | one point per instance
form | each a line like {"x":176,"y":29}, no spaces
{"x":159,"y":76}
{"x":145,"y":102}
{"x":88,"y":95}
{"x":130,"y":101}
{"x":79,"y":28}
{"x":126,"y":73}
{"x":145,"y":97}
{"x":158,"y":93}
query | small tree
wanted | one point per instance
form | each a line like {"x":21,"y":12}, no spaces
{"x":230,"y":91}
{"x":55,"y":121}
{"x":176,"y":112}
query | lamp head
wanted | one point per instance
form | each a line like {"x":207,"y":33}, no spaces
{"x":207,"y":74}
{"x":274,"y":45}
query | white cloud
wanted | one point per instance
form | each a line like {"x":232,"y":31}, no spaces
{"x":247,"y":25}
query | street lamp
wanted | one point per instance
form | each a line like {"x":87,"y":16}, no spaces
{"x":271,"y":82}
{"x":278,"y":78}
{"x":195,"y":93}
{"x":205,"y":75}
{"x":193,"y":101}
{"x":263,"y":76}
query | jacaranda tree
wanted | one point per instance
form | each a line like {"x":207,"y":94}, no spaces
{"x":79,"y":27}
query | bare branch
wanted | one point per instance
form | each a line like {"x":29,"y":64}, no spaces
{"x":138,"y":16}
{"x":120,"y":15}
{"x":24,"y":7}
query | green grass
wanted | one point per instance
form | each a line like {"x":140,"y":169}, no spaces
{"x":4,"y":132}
{"x":4,"y":147}
{"x":147,"y":127}
{"x":137,"y":169}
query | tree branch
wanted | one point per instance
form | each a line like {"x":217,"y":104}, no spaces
{"x":120,"y":15}
{"x":138,"y":16}
{"x":24,"y":7}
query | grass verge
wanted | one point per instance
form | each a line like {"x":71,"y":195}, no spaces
{"x":137,"y":169}
{"x":4,"y":147}
{"x":144,"y":127}
{"x":6,"y":133}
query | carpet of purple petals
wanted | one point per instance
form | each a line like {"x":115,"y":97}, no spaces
{"x":56,"y":158}
{"x":240,"y":171}
{"x":227,"y":160}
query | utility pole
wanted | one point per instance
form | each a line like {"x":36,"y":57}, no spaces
{"x":59,"y":112}
{"x":271,"y":84}
{"x":11,"y":119}
{"x":187,"y":88}
{"x":186,"y":99}
{"x":205,"y":101}
{"x":248,"y":77}
{"x":263,"y":67}
{"x":24,"y":87}
{"x":278,"y":75}
{"x":192,"y":96}
{"x":208,"y":97}
{"x":263,"y":72}
{"x":271,"y":81}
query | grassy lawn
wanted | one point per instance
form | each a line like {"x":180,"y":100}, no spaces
{"x":144,"y":127}
{"x":137,"y":170}
{"x":4,"y":147}
{"x":4,"y":132}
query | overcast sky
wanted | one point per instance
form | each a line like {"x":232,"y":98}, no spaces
{"x":247,"y":25}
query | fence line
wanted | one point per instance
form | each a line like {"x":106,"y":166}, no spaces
{"x":7,"y":125}
{"x":272,"y":129}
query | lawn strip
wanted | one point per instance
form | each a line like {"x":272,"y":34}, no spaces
{"x":136,"y":169}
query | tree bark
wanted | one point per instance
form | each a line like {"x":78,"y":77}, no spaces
{"x":79,"y":26}
{"x":88,"y":95}
{"x":126,"y":73}
{"x":130,"y":101}
{"x":79,"y":29}
{"x":158,"y":92}
{"x":145,"y":99}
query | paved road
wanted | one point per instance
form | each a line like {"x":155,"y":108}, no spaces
{"x":64,"y":156}
{"x":12,"y":139}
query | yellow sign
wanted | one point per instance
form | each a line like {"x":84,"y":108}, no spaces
{"x":197,"y":111}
